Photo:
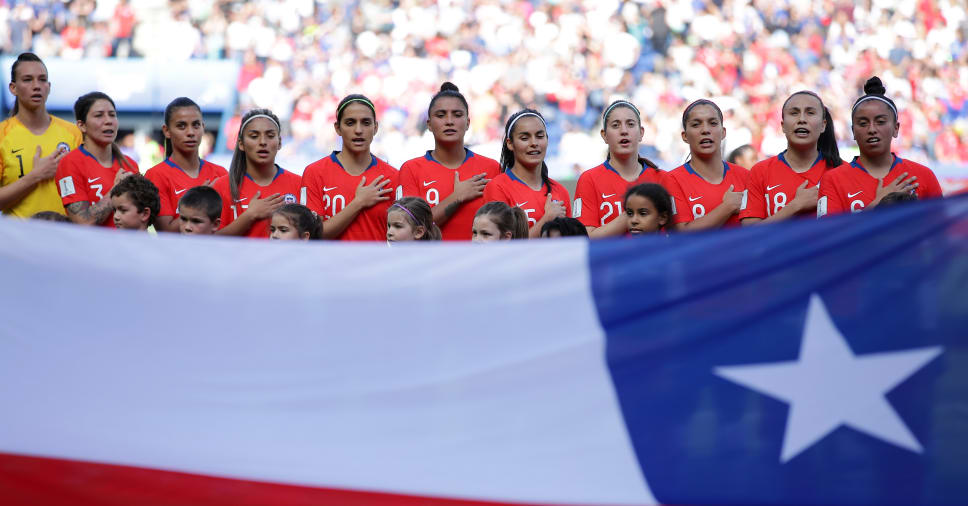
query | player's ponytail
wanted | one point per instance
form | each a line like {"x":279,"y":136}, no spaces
{"x":170,"y":110}
{"x":507,"y":156}
{"x":83,"y":106}
{"x":238,"y":166}
{"x":23,"y":57}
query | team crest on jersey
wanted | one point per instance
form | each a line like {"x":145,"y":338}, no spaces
{"x":289,"y":198}
{"x":63,"y":146}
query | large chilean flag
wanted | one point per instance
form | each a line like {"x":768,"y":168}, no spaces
{"x":812,"y":362}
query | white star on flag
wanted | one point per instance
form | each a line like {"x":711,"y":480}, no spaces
{"x":828,"y":386}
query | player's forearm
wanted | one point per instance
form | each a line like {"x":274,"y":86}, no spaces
{"x":443,"y":211}
{"x":335,"y":226}
{"x":83,"y":213}
{"x":14,"y":192}
{"x":714,"y":219}
{"x":240,"y":226}
{"x":616,"y":227}
{"x":535,"y":231}
{"x":167,"y":224}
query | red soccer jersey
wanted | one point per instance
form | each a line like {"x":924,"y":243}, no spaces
{"x":172,"y":182}
{"x":328,"y":188}
{"x":693,"y":196}
{"x":852,"y":188}
{"x":507,"y":188}
{"x":284,"y":183}
{"x":773,"y":184}
{"x":426,"y":178}
{"x":600,"y":194}
{"x":81,"y":178}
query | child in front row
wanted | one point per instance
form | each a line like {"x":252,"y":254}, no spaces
{"x":295,"y":222}
{"x":648,"y":208}
{"x":411,"y":219}
{"x":497,"y":221}
{"x":200,"y":211}
{"x":136,"y":203}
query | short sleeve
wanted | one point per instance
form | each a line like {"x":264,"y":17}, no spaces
{"x":586,"y":199}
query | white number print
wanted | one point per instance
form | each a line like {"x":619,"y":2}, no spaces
{"x":235,"y":210}
{"x":334,"y":205}
{"x":97,"y":190}
{"x":779,"y":202}
{"x":611,"y":208}
{"x":433,"y":197}
{"x":531,"y":221}
{"x":698,"y":211}
{"x":856,"y":206}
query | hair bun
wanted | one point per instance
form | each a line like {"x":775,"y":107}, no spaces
{"x":874,"y":86}
{"x":449,"y":86}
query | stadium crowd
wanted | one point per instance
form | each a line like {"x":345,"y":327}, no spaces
{"x":569,"y":59}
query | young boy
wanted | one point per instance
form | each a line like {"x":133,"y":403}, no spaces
{"x":136,"y":203}
{"x":200,"y":211}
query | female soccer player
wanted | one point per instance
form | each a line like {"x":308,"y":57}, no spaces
{"x":32,"y":143}
{"x":524,"y":181}
{"x":451,"y":178}
{"x":497,"y":221}
{"x":411,"y":219}
{"x":253,"y":173}
{"x":183,"y":168}
{"x":707,"y":191}
{"x":295,"y":222}
{"x":785,"y":185}
{"x":351,"y":189}
{"x":86,"y":175}
{"x":598,"y":196}
{"x":877,"y":172}
{"x":648,"y":208}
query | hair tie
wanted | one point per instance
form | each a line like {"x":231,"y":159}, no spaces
{"x":515,"y":120}
{"x":414,"y":218}
{"x":874,"y":97}
{"x":266,"y":116}
{"x":618,"y":103}
{"x":356,"y":99}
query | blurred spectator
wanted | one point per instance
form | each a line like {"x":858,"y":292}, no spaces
{"x":744,"y":156}
{"x":568,"y":58}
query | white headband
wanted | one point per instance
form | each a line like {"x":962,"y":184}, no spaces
{"x":511,"y":126}
{"x":241,"y":128}
{"x":617,"y":103}
{"x":875,"y":97}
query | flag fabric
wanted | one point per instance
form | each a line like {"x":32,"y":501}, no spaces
{"x":809,"y":362}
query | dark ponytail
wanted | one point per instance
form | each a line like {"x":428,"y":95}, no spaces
{"x":448,"y":89}
{"x":827,"y":142}
{"x":507,"y":156}
{"x":23,"y":57}
{"x":169,"y":110}
{"x":83,"y":106}
{"x":237,"y":168}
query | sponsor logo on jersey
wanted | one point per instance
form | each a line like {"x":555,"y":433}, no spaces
{"x":329,"y":188}
{"x":607,"y":196}
{"x":91,"y":180}
{"x":770,"y":188}
{"x":693,"y":199}
{"x":428,"y":183}
{"x":852,"y":195}
{"x":178,"y":192}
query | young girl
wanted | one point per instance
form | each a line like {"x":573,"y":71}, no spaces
{"x":352,"y":189}
{"x":182,"y":168}
{"x":411,"y":219}
{"x":877,"y":172}
{"x":598,"y":194}
{"x":295,"y":222}
{"x":451,"y":178}
{"x":707,"y":192}
{"x":524,"y":181}
{"x":86,"y":175}
{"x":648,"y":208}
{"x":32,"y":143}
{"x":785,"y":185}
{"x":255,"y":186}
{"x":497,"y":221}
